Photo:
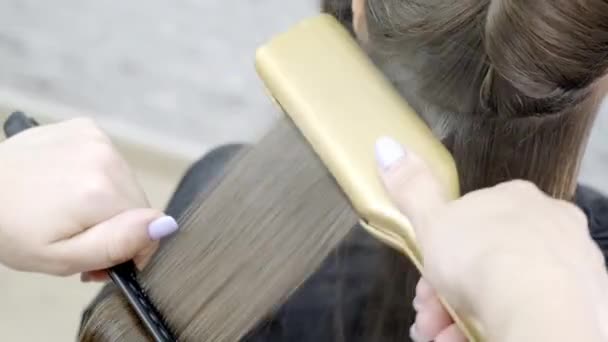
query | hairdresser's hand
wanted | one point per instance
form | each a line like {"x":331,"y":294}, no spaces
{"x":519,"y":262}
{"x":69,"y":203}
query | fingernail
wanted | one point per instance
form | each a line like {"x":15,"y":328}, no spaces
{"x":424,"y":290}
{"x":414,"y":334}
{"x":416,"y":304}
{"x":388,"y":152}
{"x":162,"y":227}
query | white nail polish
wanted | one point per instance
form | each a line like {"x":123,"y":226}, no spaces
{"x":388,"y":152}
{"x":416,"y":304}
{"x":414,"y":334}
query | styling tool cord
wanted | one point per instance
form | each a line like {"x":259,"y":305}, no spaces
{"x":124,"y":275}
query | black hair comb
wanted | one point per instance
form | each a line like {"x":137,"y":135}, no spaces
{"x":125,"y":275}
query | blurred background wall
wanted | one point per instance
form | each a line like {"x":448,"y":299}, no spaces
{"x":168,"y":78}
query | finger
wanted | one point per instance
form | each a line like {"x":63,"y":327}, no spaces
{"x":424,"y":290}
{"x":432,"y":319}
{"x":124,"y":178}
{"x":573,"y":213}
{"x":415,"y":335}
{"x":451,"y":334}
{"x":141,"y":260}
{"x":120,"y":239}
{"x":143,"y":257}
{"x":409,"y":182}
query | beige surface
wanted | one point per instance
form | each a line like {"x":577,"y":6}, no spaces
{"x":41,"y":308}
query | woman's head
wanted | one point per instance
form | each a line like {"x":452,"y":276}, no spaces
{"x":510,"y":86}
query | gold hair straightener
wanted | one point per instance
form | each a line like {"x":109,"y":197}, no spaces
{"x":341,"y":103}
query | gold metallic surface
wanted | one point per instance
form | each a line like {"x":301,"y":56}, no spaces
{"x":341,"y":103}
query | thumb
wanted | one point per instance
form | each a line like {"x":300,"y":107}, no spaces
{"x":409,"y":182}
{"x":133,"y":234}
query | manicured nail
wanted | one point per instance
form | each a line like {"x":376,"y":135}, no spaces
{"x":162,"y":227}
{"x":424,"y":290}
{"x":414,"y":334}
{"x":416,"y":304}
{"x":388,"y":152}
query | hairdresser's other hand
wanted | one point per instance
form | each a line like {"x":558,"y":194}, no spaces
{"x":69,"y":203}
{"x":519,"y":262}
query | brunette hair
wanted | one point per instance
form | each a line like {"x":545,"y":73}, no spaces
{"x":510,"y":86}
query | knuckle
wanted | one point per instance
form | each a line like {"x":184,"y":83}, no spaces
{"x":90,"y":129}
{"x":578,"y":214}
{"x":572,"y":217}
{"x":516,"y":193}
{"x":98,"y":188}
{"x":522,"y":187}
{"x":598,"y":257}
{"x":103,"y":155}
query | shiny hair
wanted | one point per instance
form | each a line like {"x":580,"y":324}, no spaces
{"x":510,"y":86}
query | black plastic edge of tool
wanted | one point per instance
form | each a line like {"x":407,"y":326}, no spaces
{"x":17,"y":123}
{"x":125,"y":278}
{"x":124,"y":275}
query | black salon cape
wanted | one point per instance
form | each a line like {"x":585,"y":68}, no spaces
{"x":345,"y":281}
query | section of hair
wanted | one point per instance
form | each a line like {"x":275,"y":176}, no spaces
{"x":508,"y":85}
{"x":341,"y":9}
{"x":545,"y":54}
{"x":110,"y":318}
{"x":243,"y":249}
